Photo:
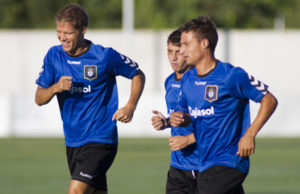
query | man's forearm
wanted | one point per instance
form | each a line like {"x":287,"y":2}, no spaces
{"x":44,"y":95}
{"x":191,"y":138}
{"x":267,"y":106}
{"x":137,"y":87}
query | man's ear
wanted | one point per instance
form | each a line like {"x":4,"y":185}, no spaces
{"x":83,"y":31}
{"x":205,"y":43}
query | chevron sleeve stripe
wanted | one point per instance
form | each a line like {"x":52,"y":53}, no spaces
{"x":263,"y":88}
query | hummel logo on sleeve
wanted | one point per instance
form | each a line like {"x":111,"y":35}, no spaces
{"x":130,"y":62}
{"x":263,"y":88}
{"x":86,"y":175}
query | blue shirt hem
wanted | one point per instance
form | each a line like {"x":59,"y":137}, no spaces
{"x":78,"y":144}
{"x":183,"y":167}
{"x":205,"y":167}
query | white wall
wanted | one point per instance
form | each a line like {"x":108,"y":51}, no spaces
{"x":270,"y":56}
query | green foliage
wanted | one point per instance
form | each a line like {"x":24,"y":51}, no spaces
{"x":225,"y":13}
{"x":41,"y":13}
{"x":155,"y":14}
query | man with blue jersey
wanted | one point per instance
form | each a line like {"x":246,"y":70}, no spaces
{"x":215,"y":98}
{"x":184,"y":158}
{"x":83,"y":77}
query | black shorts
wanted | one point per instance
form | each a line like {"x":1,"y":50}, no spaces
{"x":181,"y":181}
{"x":89,"y":163}
{"x":221,"y":180}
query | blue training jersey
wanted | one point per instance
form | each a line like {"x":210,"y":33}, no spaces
{"x":218,"y":104}
{"x":187,"y":158}
{"x":87,"y":108}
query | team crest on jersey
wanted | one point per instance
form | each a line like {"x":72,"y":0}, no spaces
{"x":90,"y":72}
{"x":211,"y":93}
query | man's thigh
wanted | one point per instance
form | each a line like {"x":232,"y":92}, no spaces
{"x":221,"y":180}
{"x":78,"y":187}
{"x":89,"y":163}
{"x":181,"y":182}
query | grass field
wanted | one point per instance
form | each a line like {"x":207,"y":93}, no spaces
{"x":38,"y":166}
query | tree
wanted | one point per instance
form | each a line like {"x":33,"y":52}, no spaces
{"x":154,"y":14}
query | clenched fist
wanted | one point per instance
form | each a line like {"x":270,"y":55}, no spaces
{"x":64,"y":84}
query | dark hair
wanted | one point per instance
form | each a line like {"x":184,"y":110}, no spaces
{"x":74,"y":14}
{"x":175,"y":37}
{"x":204,"y":28}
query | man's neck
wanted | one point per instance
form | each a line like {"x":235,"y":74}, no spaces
{"x":206,"y":65}
{"x":82,"y":48}
{"x":179,"y":74}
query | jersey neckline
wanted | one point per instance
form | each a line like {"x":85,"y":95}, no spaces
{"x":202,"y":76}
{"x":81,"y":54}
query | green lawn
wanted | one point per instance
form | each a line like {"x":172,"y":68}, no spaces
{"x":38,"y":166}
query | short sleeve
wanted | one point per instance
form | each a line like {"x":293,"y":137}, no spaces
{"x":243,"y":85}
{"x":122,"y":65}
{"x":47,"y":76}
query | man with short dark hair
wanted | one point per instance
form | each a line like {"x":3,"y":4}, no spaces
{"x":83,"y":77}
{"x":184,"y":158}
{"x":215,"y":98}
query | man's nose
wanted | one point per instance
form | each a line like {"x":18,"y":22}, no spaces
{"x":62,"y":37}
{"x":181,"y":51}
{"x":175,"y":57}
